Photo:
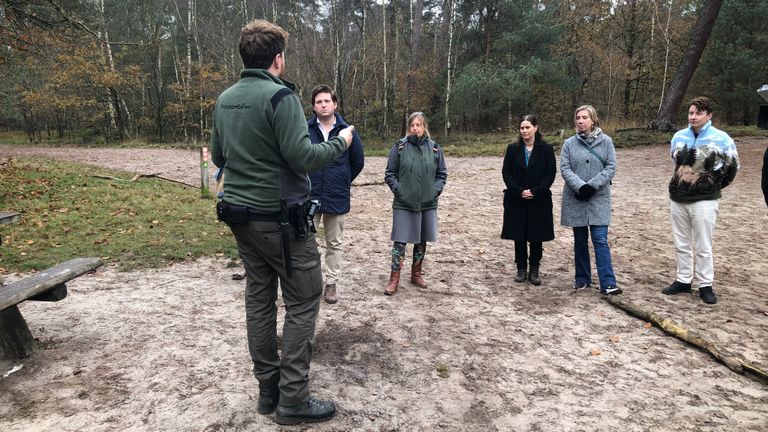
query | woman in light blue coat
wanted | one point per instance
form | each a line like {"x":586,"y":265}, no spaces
{"x":587,"y":164}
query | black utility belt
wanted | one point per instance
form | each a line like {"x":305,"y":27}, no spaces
{"x":300,"y":216}
{"x":236,"y":214}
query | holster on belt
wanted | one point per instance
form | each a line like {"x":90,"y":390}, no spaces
{"x":285,"y":235}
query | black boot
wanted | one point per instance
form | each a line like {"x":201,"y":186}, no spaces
{"x":269,"y":396}
{"x":311,"y":411}
{"x":677,"y":288}
{"x":708,"y":295}
{"x":533,"y":276}
{"x":522,"y":275}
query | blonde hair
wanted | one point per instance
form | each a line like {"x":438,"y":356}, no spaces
{"x":592,"y":114}
{"x":420,"y":115}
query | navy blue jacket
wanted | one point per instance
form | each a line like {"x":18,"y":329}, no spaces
{"x":331,"y":184}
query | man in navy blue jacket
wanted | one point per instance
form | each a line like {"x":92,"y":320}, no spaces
{"x":331,"y":185}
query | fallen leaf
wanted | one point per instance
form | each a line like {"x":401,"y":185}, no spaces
{"x":647,"y":325}
{"x":30,"y":242}
{"x":23,"y":254}
{"x":614,"y":338}
{"x":595,"y":352}
{"x":63,"y":210}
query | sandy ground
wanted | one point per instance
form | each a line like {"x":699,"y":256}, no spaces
{"x":165,"y":349}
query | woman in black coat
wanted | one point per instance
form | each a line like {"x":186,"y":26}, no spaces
{"x":529,"y":171}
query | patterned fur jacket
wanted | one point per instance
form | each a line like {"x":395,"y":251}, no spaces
{"x":704,"y":164}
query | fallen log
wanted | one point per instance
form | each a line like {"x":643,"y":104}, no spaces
{"x":138,"y":176}
{"x":373,"y":183}
{"x":733,"y":361}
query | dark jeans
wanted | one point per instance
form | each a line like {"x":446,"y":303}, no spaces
{"x":602,"y":255}
{"x":521,"y":254}
{"x":260,"y":247}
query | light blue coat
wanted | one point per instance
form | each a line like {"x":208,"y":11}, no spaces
{"x":579,"y":166}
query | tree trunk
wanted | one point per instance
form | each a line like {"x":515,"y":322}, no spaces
{"x":337,"y":29}
{"x":385,"y":60}
{"x":414,"y":62}
{"x":665,"y":119}
{"x":667,"y":46}
{"x":450,"y":69}
{"x":115,"y":112}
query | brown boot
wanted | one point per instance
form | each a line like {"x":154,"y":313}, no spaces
{"x":394,"y":281}
{"x":416,"y":278}
{"x":330,"y":294}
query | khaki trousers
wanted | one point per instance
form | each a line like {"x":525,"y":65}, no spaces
{"x":260,"y":247}
{"x":333,"y":225}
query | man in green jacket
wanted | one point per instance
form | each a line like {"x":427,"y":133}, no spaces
{"x":260,"y":138}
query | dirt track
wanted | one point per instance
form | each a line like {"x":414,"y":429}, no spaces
{"x":165,"y":349}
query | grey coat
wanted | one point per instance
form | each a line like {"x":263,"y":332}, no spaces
{"x":579,"y":166}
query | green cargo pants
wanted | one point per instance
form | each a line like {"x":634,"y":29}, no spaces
{"x":260,"y":247}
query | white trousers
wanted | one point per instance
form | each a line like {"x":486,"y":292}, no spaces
{"x":333,"y":225}
{"x":693,"y":225}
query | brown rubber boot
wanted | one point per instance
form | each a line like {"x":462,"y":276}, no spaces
{"x":416,"y":278}
{"x":394,"y":281}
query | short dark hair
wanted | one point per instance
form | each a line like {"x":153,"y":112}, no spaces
{"x":702,"y":103}
{"x":260,"y":42}
{"x":322,"y":88}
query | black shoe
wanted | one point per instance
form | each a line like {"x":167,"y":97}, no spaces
{"x":677,"y":288}
{"x":533,"y":276}
{"x":311,"y":411}
{"x":610,"y":290}
{"x":522,"y":275}
{"x":581,"y":286}
{"x":267,"y":403}
{"x":708,"y":295}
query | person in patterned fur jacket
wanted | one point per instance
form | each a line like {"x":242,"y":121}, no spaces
{"x":706,"y":161}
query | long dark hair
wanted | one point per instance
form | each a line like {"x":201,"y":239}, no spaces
{"x":535,"y":122}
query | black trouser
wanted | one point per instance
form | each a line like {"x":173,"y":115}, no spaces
{"x":521,"y":254}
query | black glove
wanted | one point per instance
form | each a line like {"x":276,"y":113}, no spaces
{"x":586,"y":192}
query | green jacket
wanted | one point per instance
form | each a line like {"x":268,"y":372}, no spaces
{"x":260,"y":138}
{"x":416,"y":173}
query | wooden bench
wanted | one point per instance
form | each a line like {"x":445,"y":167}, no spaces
{"x":48,"y":285}
{"x":6,"y":218}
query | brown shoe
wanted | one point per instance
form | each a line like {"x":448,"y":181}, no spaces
{"x":416,"y":278}
{"x":330,"y":294}
{"x":394,"y":281}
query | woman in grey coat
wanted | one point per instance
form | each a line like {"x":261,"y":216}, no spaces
{"x":587,"y":164}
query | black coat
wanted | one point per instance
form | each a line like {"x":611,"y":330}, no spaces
{"x":529,"y":220}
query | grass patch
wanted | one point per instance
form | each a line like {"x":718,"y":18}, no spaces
{"x":67,"y":213}
{"x":442,"y":371}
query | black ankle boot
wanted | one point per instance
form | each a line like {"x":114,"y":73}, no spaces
{"x":708,"y":295}
{"x":533,"y":277}
{"x":311,"y":411}
{"x":677,"y":288}
{"x":522,"y":275}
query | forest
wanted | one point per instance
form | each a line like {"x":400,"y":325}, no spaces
{"x":109,"y":71}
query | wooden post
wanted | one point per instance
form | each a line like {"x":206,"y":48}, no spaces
{"x":16,"y":341}
{"x":205,"y":190}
